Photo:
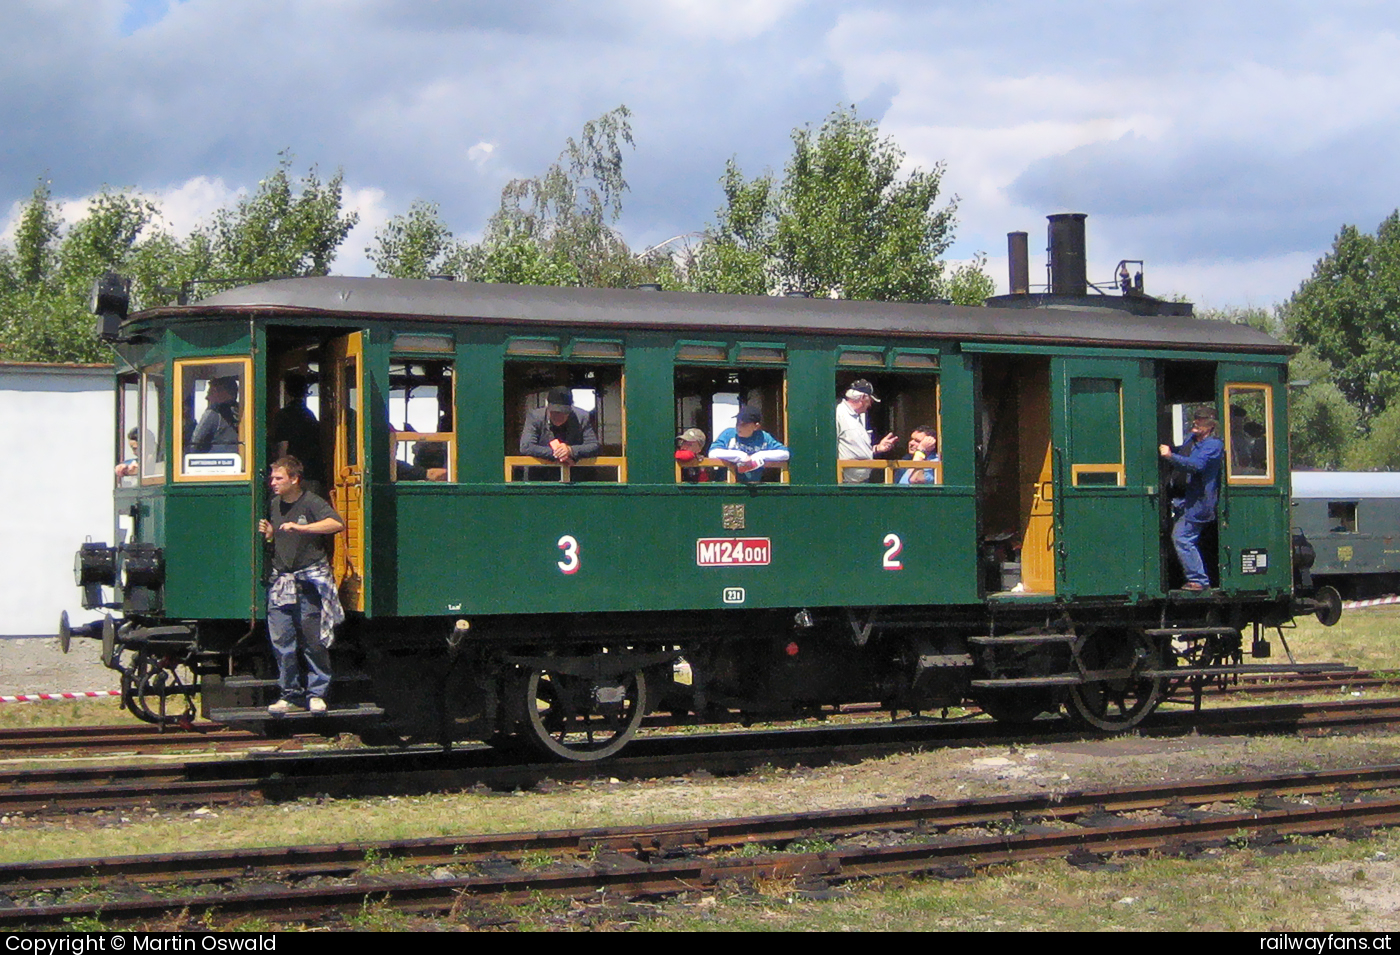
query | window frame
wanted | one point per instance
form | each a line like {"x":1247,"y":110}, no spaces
{"x":885,"y":370}
{"x":1246,"y":480}
{"x":245,"y":418}
{"x":449,"y":358}
{"x":158,"y":433}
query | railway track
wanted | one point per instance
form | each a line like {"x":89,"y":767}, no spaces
{"x":140,"y":738}
{"x":279,"y":776}
{"x":921,"y":836}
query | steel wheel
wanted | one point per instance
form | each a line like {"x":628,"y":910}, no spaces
{"x":1117,"y":705}
{"x":582,"y":719}
{"x":159,"y":690}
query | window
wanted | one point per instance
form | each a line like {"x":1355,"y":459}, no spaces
{"x":421,"y":430}
{"x":152,"y":435}
{"x":1096,"y":432}
{"x":211,"y":417}
{"x":1249,"y":457}
{"x":1341,"y":517}
{"x":128,"y":463}
{"x":587,"y":418}
{"x":708,"y":401}
{"x":907,"y":407}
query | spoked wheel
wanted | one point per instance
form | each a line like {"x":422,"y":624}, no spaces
{"x":1118,"y":704}
{"x":159,"y":690}
{"x":580,"y":718}
{"x":1010,"y":706}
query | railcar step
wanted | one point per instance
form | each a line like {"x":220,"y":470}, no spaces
{"x":259,"y":714}
{"x":1022,"y":640}
{"x":1066,"y":679}
{"x":260,"y":683}
{"x":1194,"y":632}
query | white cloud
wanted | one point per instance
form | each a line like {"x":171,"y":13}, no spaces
{"x":369,"y":202}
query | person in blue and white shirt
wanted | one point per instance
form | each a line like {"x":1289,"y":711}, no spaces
{"x":747,"y":448}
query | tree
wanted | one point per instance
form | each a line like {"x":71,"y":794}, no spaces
{"x":278,"y":231}
{"x":1348,"y":311}
{"x":414,"y":245}
{"x":45,"y":283}
{"x":557,"y":228}
{"x":842,"y":221}
{"x":45,"y":280}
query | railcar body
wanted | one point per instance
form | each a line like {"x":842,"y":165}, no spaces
{"x":493,"y":595}
{"x":1352,"y":519}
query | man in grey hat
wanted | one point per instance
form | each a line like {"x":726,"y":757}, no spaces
{"x":852,"y":439}
{"x":559,"y":430}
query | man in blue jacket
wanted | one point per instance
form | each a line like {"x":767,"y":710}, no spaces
{"x":1201,"y":457}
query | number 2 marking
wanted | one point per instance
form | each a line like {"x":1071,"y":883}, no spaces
{"x":895,"y":547}
{"x":569,"y":546}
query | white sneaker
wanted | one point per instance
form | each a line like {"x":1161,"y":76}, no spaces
{"x":283,"y":707}
{"x":316,"y":705}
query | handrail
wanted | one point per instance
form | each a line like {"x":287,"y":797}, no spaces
{"x":514,"y":461}
{"x":730,"y":475}
{"x":884,"y":464}
{"x":448,"y":438}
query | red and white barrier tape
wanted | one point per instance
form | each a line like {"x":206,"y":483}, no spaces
{"x":36,"y":697}
{"x":1374,"y":602}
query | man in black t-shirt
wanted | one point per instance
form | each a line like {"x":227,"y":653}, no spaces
{"x":302,"y":605}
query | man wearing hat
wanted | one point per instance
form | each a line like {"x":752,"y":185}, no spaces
{"x":1200,"y":457}
{"x":852,"y":440}
{"x":747,"y":448}
{"x":559,"y":431}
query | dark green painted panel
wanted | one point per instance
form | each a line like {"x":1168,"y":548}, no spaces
{"x":1107,"y":535}
{"x":211,"y":543}
{"x":501,"y":552}
{"x":650,"y":412}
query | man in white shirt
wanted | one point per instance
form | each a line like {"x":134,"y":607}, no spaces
{"x":852,"y":440}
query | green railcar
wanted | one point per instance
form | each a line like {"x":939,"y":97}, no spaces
{"x":493,"y":594}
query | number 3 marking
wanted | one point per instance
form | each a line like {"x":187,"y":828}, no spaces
{"x":569,"y":546}
{"x":896,"y":546}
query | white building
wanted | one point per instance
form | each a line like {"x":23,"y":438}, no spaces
{"x":56,"y":481}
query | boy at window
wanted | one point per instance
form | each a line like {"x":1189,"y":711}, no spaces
{"x":747,"y":448}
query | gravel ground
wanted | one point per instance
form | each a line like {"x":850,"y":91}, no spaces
{"x":37,"y":665}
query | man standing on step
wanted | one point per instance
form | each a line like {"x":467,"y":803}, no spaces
{"x":303,"y":607}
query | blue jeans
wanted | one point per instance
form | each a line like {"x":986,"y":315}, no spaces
{"x":1186,"y":536}
{"x":295,"y":632}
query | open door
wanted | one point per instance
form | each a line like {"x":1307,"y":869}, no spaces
{"x":1106,"y":477}
{"x":1016,"y":490}
{"x":342,"y":405}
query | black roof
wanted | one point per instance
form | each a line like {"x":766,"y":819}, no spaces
{"x":407,"y":300}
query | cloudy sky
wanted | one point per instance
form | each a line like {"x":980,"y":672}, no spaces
{"x":1223,"y":142}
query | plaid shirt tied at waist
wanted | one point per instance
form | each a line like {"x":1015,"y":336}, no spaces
{"x":283,"y":593}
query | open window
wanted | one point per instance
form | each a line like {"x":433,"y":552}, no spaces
{"x":152,"y":433}
{"x":422,"y":432}
{"x":1341,"y":517}
{"x":905,"y":380}
{"x":128,"y":463}
{"x":587,"y":377}
{"x":212,"y":419}
{"x":1249,"y":457}
{"x":708,"y":397}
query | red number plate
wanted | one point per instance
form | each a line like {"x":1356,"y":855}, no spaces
{"x":733,"y":551}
